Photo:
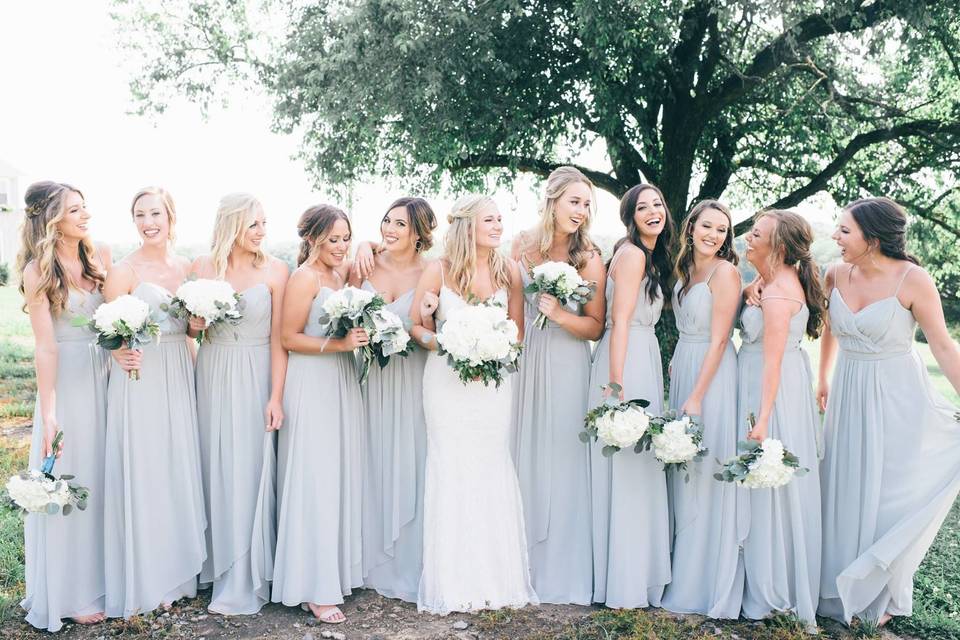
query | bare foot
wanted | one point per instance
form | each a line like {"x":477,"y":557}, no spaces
{"x":93,"y":618}
{"x":884,"y":619}
{"x":330,"y":614}
{"x":166,"y":606}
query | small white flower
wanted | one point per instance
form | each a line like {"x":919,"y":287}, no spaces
{"x":622,"y":428}
{"x":675,"y":444}
{"x":128,"y":309}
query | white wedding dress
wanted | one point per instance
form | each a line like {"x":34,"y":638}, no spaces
{"x":474,"y":547}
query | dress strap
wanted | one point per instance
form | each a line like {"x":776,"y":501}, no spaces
{"x":136,"y":274}
{"x":443,"y":281}
{"x":782,"y":298}
{"x":713,"y":271}
{"x":902,"y":278}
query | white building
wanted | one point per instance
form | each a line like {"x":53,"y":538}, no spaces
{"x":11,"y":212}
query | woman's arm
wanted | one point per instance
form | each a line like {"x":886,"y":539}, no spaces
{"x":45,"y":353}
{"x":277,"y":281}
{"x":629,"y":276}
{"x":588,"y":326}
{"x":828,"y":347}
{"x":776,"y":329}
{"x":928,"y":310}
{"x":515,"y":297}
{"x":725,"y":291}
{"x":298,"y":297}
{"x":424,"y":305}
{"x":120,"y":281}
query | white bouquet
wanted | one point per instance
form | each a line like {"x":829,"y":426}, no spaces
{"x":351,"y":307}
{"x":562,"y":281}
{"x":617,"y":425}
{"x":33,"y":491}
{"x":480,"y":342}
{"x":213,"y":300}
{"x":126,"y":320}
{"x":761,"y":465}
{"x":675,"y":440}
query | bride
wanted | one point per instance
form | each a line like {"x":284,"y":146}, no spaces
{"x":474,"y":547}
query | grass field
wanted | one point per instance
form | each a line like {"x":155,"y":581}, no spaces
{"x":936,"y":590}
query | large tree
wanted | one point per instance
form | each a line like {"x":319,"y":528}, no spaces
{"x":762,"y":102}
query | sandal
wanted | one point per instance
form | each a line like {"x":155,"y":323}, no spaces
{"x":327,"y":614}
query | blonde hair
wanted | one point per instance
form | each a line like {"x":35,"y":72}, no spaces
{"x":166,"y":199}
{"x":460,"y":245}
{"x":46,"y":204}
{"x":579,"y":246}
{"x":234,"y":215}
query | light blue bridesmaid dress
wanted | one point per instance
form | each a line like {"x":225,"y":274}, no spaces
{"x":319,"y":476}
{"x":892,"y":465}
{"x":631,"y":533}
{"x":154,"y":520}
{"x":64,"y":555}
{"x":396,"y":449}
{"x":781,"y":551}
{"x":233,"y":388}
{"x":707,"y":564}
{"x":553,"y":466}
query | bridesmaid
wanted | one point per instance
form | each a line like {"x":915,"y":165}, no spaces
{"x":320,"y":455}
{"x":707,"y":568}
{"x":552,"y":464}
{"x":153,"y":516}
{"x":395,"y":432}
{"x":61,"y":275}
{"x":240,"y":371}
{"x":892,"y":464}
{"x":782,"y":550}
{"x":631,"y":533}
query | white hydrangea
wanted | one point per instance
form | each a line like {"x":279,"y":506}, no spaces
{"x":478,"y":334}
{"x":389,"y":332}
{"x":202,"y":296}
{"x":128,"y":309}
{"x":563,"y":275}
{"x":347,"y":302}
{"x":769,"y":472}
{"x":674,"y":444}
{"x":622,"y":428}
{"x":36,"y":491}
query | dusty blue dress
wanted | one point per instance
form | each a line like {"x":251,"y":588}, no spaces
{"x":64,"y":555}
{"x":396,"y":449}
{"x":319,"y":476}
{"x":552,"y":464}
{"x":233,"y":388}
{"x":631,"y":532}
{"x":892,"y":465}
{"x":781,"y":551}
{"x":154,"y":519}
{"x":707,"y":564}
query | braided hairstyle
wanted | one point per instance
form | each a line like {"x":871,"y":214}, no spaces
{"x":885,"y":221}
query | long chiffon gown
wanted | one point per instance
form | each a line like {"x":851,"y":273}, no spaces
{"x":64,"y":555}
{"x":631,"y":532}
{"x":552,"y":463}
{"x":707,"y":564}
{"x":233,"y":387}
{"x":154,"y":520}
{"x":782,"y":549}
{"x":892,"y":465}
{"x":396,"y":447}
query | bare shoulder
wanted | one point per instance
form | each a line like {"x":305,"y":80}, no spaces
{"x":277,"y":271}
{"x":201,"y":264}
{"x":628,"y":257}
{"x":104,"y":252}
{"x":727,"y":275}
{"x":520,"y":244}
{"x":184,"y":263}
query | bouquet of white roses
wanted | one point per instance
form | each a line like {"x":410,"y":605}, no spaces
{"x":675,"y":440}
{"x":126,"y":320}
{"x":351,"y":307}
{"x":480,"y":342}
{"x":761,"y":465}
{"x":33,"y":491}
{"x":617,"y":424}
{"x":213,"y":300}
{"x":561,"y":281}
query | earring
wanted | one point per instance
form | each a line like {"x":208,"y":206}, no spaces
{"x":689,"y":241}
{"x":418,"y":246}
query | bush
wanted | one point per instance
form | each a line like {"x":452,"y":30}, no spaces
{"x":4,"y":274}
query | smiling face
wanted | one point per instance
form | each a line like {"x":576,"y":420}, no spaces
{"x":396,"y":231}
{"x":254,"y":233}
{"x":649,"y":215}
{"x":73,"y":223}
{"x":152,"y":219}
{"x":849,"y":237}
{"x":332,"y":248}
{"x":572,"y":208}
{"x":759,"y":246}
{"x":709,"y":232}
{"x":489,"y":228}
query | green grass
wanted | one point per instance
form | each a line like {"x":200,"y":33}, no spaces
{"x":17,"y":383}
{"x":14,"y":323}
{"x":12,"y":459}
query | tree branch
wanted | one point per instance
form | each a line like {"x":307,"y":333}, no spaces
{"x":538,"y":167}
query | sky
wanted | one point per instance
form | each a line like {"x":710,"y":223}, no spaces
{"x":64,"y":107}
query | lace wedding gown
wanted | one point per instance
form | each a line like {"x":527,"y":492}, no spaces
{"x":474,"y":547}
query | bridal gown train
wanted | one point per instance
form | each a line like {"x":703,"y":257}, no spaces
{"x":474,"y":547}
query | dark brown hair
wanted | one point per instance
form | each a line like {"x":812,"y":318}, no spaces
{"x":885,"y":221}
{"x":314,"y":225}
{"x":658,"y":263}
{"x":685,"y":255}
{"x":421,"y":217}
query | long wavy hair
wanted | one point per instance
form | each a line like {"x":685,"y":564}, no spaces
{"x":685,"y":254}
{"x":790,"y":243}
{"x":885,"y":221}
{"x":314,"y":226}
{"x":46,"y":205}
{"x":460,"y":245}
{"x":235,"y":213}
{"x":422,"y":220}
{"x":168,"y":205}
{"x":659,"y":265}
{"x":579,"y":245}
